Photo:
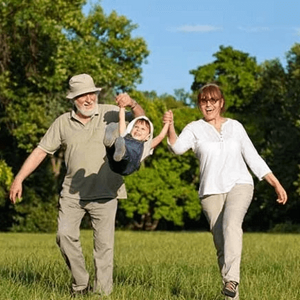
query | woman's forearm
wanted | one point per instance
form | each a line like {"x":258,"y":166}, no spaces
{"x":172,"y":134}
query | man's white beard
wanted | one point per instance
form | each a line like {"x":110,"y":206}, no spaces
{"x":86,"y":113}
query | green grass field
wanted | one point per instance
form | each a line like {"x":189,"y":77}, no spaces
{"x":152,"y":265}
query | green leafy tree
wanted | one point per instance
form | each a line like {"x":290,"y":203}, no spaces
{"x":292,"y":115}
{"x":264,"y":118}
{"x":235,"y":71}
{"x":42,"y":45}
{"x":6,"y":177}
{"x":276,"y":134}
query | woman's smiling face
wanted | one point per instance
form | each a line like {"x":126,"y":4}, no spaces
{"x":211,"y":108}
{"x":211,"y":102}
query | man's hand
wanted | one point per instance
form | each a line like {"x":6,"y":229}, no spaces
{"x":15,"y":190}
{"x":124,"y":100}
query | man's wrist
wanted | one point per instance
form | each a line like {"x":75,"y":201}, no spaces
{"x":133,"y":104}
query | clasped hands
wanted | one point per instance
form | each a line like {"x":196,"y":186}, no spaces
{"x":124,"y":100}
{"x":168,"y":117}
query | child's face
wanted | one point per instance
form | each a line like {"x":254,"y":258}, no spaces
{"x":140,"y":131}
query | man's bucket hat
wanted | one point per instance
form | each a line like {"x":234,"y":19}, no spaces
{"x":81,"y":84}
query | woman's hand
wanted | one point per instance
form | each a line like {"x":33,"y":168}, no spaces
{"x":168,"y":117}
{"x":280,"y":191}
{"x":281,"y":194}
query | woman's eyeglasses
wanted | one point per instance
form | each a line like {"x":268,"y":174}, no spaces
{"x":211,"y":101}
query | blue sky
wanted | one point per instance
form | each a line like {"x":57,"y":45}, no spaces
{"x":184,"y":34}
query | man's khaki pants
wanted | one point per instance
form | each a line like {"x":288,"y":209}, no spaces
{"x":102,"y":213}
{"x":225,"y":214}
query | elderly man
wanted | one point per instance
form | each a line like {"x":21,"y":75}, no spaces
{"x":89,"y":185}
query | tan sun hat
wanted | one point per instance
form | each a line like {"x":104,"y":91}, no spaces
{"x":81,"y":84}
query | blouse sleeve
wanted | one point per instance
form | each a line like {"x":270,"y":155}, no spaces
{"x":255,"y":162}
{"x":184,"y":142}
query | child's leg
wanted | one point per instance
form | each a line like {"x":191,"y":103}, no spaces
{"x":120,"y":149}
{"x":111,"y":133}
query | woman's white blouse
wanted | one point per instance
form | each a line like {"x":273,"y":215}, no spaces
{"x":223,"y":156}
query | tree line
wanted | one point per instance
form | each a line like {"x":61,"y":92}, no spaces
{"x":43,"y":45}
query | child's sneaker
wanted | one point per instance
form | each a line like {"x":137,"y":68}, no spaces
{"x":111,"y":133}
{"x":120,"y":149}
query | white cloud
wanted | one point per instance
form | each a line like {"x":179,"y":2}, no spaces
{"x":254,"y":29}
{"x":198,"y":28}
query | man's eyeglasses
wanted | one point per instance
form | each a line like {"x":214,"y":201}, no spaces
{"x":211,"y":101}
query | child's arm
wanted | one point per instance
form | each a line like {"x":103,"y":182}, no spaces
{"x":122,"y":123}
{"x":161,"y":136}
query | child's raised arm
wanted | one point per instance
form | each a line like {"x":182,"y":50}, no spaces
{"x":122,"y":123}
{"x":161,"y":136}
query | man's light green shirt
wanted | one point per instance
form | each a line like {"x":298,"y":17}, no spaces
{"x":88,"y":174}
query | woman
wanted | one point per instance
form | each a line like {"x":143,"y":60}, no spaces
{"x":226,"y":186}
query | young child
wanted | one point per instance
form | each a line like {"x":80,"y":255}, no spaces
{"x":127,"y":147}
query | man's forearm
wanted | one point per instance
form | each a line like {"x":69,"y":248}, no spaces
{"x":137,"y":109}
{"x":31,"y":163}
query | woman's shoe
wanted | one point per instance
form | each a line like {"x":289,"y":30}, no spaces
{"x":230,"y":289}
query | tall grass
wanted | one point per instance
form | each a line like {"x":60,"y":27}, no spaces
{"x":152,"y":265}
